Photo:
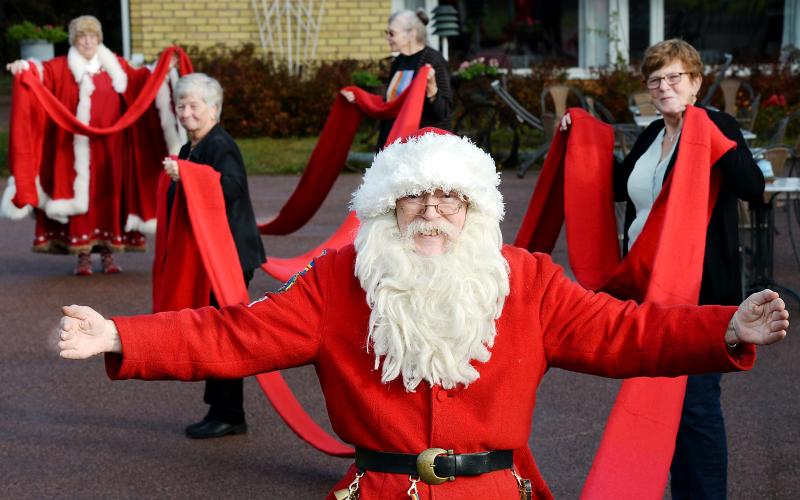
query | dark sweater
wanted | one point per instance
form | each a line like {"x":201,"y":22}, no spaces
{"x":436,"y":113}
{"x":219,"y":151}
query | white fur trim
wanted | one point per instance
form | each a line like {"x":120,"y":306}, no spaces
{"x":7,"y":207}
{"x":61,"y":209}
{"x":79,"y":204}
{"x":108,"y":61}
{"x":425,"y":163}
{"x":135,"y":223}
{"x":166,"y":115}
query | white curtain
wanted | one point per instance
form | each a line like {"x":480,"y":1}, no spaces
{"x":791,"y":23}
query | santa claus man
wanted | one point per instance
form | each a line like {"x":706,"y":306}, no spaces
{"x":94,"y":194}
{"x":428,"y":335}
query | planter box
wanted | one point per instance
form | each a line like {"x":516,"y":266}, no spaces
{"x":37,"y":49}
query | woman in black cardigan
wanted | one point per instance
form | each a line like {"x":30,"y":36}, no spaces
{"x":198,"y":107}
{"x":673,"y":74}
{"x":407,"y":36}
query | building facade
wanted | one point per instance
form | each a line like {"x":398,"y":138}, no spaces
{"x":297,"y":30}
{"x":576,"y":33}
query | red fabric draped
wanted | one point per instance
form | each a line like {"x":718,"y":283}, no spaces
{"x":283,"y":269}
{"x":34,"y":104}
{"x":331,"y":150}
{"x":664,"y":265}
{"x":334,"y":143}
{"x":65,"y":118}
{"x":195,"y":254}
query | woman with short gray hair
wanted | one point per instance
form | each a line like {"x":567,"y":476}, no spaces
{"x":198,"y":99}
{"x":204,"y":86}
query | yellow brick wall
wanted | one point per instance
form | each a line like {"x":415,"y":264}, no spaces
{"x":349,"y":28}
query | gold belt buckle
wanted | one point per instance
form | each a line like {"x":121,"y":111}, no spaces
{"x":425,"y":466}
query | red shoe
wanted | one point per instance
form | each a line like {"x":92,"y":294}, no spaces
{"x":84,"y":267}
{"x":109,"y":266}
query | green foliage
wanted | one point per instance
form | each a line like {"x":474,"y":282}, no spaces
{"x":267,"y":155}
{"x":26,"y":30}
{"x":365,"y":79}
{"x":477,"y":67}
{"x":262,"y":98}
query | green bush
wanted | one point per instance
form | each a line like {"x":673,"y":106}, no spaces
{"x":26,"y":30}
{"x":263,"y":98}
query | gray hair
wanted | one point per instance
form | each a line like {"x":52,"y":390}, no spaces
{"x":202,"y":85}
{"x":411,"y":20}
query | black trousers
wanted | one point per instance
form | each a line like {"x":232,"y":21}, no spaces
{"x":226,"y":397}
{"x":700,"y":464}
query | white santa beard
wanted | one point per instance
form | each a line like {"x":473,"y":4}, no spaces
{"x":432,"y":316}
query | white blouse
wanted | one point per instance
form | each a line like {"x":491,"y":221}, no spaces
{"x":644,"y":183}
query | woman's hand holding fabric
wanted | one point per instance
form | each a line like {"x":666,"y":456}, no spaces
{"x":430,"y":85}
{"x":350,"y":96}
{"x":17,"y":66}
{"x":171,"y":168}
{"x":566,"y":121}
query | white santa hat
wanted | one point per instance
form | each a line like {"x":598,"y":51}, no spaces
{"x":430,"y":159}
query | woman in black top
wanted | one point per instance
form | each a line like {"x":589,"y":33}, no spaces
{"x":407,"y":36}
{"x":198,"y":105}
{"x":673,"y":74}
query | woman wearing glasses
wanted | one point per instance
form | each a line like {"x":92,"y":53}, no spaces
{"x":673,"y":75}
{"x":407,"y":37}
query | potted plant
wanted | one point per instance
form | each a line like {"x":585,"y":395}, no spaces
{"x":36,"y":41}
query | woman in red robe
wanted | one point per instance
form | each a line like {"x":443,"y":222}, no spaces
{"x":90,"y":197}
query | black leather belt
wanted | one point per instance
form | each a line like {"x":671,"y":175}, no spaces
{"x":434,"y":465}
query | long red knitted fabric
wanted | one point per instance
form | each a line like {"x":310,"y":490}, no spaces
{"x":321,"y":172}
{"x":33,"y":104}
{"x":334,"y":143}
{"x":664,"y":265}
{"x":195,"y":254}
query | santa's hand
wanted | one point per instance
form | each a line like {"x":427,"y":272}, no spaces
{"x":761,"y":319}
{"x":85,"y":333}
{"x":349,"y":95}
{"x":171,"y":168}
{"x":430,"y":84}
{"x":18,"y":66}
{"x":566,"y":121}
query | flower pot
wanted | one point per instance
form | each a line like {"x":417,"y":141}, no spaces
{"x":37,"y":49}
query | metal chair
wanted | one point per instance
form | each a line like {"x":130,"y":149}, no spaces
{"x":625,"y":134}
{"x":731,"y":87}
{"x":526,"y":117}
{"x":559,"y":95}
{"x":641,"y":104}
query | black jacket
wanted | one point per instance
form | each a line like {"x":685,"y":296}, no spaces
{"x":741,"y":179}
{"x":436,"y":113}
{"x":218,"y":150}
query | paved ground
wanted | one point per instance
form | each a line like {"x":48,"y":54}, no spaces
{"x":66,"y":431}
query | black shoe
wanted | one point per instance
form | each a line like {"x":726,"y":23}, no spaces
{"x":210,"y":428}
{"x":197,"y":425}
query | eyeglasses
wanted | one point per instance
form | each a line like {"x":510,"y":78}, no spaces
{"x":413,"y":205}
{"x":672,"y":80}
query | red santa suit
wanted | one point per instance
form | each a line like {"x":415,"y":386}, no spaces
{"x":99,"y":191}
{"x":321,"y":318}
